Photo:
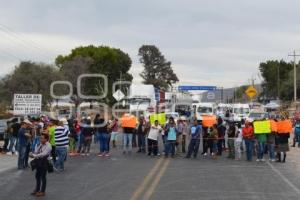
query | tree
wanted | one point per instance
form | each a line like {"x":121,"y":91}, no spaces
{"x":271,"y":71}
{"x":157,"y":71}
{"x":108,"y":61}
{"x":31,"y":78}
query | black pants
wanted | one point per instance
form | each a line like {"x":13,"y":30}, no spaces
{"x":183,"y":142}
{"x":53,"y":154}
{"x":152,"y":147}
{"x":27,"y":155}
{"x":193,"y":148}
{"x":134,"y":144}
{"x":220,"y":146}
{"x":41,"y":180}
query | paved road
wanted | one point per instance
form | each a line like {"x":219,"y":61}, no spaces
{"x":140,"y":177}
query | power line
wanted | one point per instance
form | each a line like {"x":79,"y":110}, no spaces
{"x":19,"y":41}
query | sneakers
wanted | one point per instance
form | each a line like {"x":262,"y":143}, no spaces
{"x":40,"y":194}
{"x":100,"y":154}
{"x":107,"y":155}
{"x":263,"y":160}
{"x":9,"y":153}
{"x":257,"y":160}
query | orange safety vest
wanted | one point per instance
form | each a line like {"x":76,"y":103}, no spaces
{"x":284,"y":127}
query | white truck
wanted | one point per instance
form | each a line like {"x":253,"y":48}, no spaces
{"x":200,"y":109}
{"x":142,"y":99}
{"x":240,"y":111}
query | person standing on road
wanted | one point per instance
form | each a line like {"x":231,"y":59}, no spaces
{"x":194,"y":132}
{"x":115,"y":132}
{"x":87,"y":133}
{"x":213,"y":136}
{"x":238,"y":143}
{"x":221,"y":135}
{"x":23,"y":137}
{"x":296,"y":134}
{"x":248,"y":136}
{"x":232,"y":130}
{"x":185,"y":133}
{"x":153,"y":139}
{"x":103,"y":134}
{"x":261,"y":144}
{"x":13,"y":136}
{"x":51,"y":131}
{"x":127,"y":135}
{"x":171,"y":134}
{"x":41,"y":154}
{"x":141,"y":133}
{"x":180,"y":127}
{"x":62,"y":143}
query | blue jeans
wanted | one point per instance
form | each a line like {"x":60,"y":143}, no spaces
{"x":21,"y":158}
{"x":271,"y":148}
{"x":193,"y":148}
{"x":249,"y":149}
{"x":260,"y":150}
{"x":127,"y":142}
{"x":12,"y":144}
{"x":142,"y":143}
{"x":170,"y":147}
{"x":35,"y":142}
{"x":61,"y":155}
{"x":103,"y":140}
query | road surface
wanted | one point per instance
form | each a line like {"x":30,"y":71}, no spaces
{"x":140,"y":177}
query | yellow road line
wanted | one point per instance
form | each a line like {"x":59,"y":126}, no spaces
{"x":137,"y":193}
{"x":156,"y":181}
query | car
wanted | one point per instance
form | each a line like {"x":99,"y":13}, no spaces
{"x":257,"y":116}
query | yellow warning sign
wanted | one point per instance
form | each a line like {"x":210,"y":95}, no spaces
{"x":251,"y":92}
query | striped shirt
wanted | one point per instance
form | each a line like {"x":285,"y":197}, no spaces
{"x":61,"y":136}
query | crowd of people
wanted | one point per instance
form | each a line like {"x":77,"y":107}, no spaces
{"x":50,"y":139}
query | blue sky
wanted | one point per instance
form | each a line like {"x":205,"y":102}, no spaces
{"x":211,"y":42}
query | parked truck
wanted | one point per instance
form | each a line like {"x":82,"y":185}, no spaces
{"x":142,"y":99}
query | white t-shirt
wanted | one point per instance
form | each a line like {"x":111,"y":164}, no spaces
{"x":154,"y":132}
{"x":240,"y":136}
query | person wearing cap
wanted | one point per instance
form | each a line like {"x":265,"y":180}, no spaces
{"x":23,"y":137}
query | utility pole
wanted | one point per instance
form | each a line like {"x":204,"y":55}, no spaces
{"x":278,"y":84}
{"x":295,"y":75}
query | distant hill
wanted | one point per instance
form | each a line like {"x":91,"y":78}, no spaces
{"x":227,"y":93}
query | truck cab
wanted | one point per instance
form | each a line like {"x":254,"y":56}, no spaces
{"x":200,"y":109}
{"x":240,"y":111}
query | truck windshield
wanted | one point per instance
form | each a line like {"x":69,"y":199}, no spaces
{"x":139,"y":101}
{"x":241,"y":111}
{"x":204,"y":110}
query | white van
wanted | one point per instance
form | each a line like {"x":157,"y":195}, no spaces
{"x":200,"y":109}
{"x":240,"y":111}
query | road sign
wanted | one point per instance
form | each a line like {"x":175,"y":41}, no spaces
{"x":251,"y":92}
{"x":207,"y":88}
{"x":27,"y":104}
{"x":118,"y":95}
{"x":211,"y":96}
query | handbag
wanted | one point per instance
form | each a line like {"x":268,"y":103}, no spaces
{"x":33,"y":164}
{"x":50,"y":167}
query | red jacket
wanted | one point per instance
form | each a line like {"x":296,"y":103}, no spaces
{"x":248,"y":132}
